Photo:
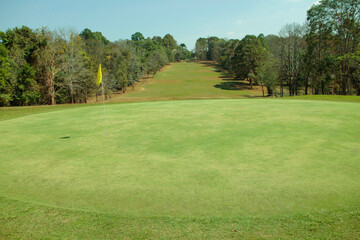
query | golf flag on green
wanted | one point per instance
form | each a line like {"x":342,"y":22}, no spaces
{"x":99,"y":76}
{"x":98,"y":81}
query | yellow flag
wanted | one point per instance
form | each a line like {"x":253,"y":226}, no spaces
{"x":99,"y":76}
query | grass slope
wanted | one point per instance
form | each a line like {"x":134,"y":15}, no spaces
{"x":186,"y":169}
{"x":15,"y":112}
{"x":188,"y":81}
{"x":185,"y":80}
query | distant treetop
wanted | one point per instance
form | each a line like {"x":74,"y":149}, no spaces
{"x":137,"y":37}
{"x":87,"y":34}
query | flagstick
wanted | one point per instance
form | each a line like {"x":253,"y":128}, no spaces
{"x":102,"y":87}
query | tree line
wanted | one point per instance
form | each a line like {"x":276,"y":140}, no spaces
{"x":51,"y":67}
{"x":321,"y":56}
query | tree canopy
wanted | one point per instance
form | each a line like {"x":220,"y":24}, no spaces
{"x":48,"y":67}
{"x":319,"y":57}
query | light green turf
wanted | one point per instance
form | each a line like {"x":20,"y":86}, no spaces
{"x":15,"y":112}
{"x":190,"y":81}
{"x":261,"y":160}
{"x":338,"y":98}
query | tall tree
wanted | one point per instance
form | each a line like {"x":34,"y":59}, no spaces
{"x":75,"y":66}
{"x":355,"y":69}
{"x":25,"y":89}
{"x":22,"y":43}
{"x":339,"y":22}
{"x":94,"y":46}
{"x":227,"y":53}
{"x":213,"y":51}
{"x":169,"y":42}
{"x":201,"y":48}
{"x":267,"y":74}
{"x":248,"y":56}
{"x":170,"y":46}
{"x":293,"y":47}
{"x":49,"y":64}
{"x":7,"y":77}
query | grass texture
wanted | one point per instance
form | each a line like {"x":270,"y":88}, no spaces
{"x":189,"y":80}
{"x":260,"y":168}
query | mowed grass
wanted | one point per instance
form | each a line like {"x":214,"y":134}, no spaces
{"x":192,"y":80}
{"x":7,"y":113}
{"x":188,"y":80}
{"x":337,"y":98}
{"x":259,"y":168}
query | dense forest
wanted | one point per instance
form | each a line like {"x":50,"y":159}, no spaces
{"x":321,"y":56}
{"x":47,"y":67}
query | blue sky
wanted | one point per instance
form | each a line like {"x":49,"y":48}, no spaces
{"x":186,"y":20}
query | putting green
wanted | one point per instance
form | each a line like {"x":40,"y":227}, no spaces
{"x":221,"y":158}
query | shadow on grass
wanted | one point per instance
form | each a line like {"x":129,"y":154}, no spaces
{"x":214,"y":66}
{"x":227,"y":76}
{"x":255,"y":96}
{"x":229,"y":82}
{"x":208,"y":64}
{"x":232,"y":84}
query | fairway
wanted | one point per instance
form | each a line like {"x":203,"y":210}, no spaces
{"x":188,"y":80}
{"x":210,"y":158}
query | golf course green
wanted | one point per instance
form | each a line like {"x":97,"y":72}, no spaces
{"x":194,"y":169}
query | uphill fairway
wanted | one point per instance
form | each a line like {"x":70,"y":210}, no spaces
{"x":188,"y":81}
{"x":259,"y":168}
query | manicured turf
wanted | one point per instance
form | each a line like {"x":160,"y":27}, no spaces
{"x":261,"y":168}
{"x":189,"y":81}
{"x":337,"y":98}
{"x":15,"y":112}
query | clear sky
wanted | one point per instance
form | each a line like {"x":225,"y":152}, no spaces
{"x":186,"y":20}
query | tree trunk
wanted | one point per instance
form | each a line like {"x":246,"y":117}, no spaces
{"x":52,"y":92}
{"x":290,"y":88}
{"x":316,"y":91}
{"x":52,"y":98}
{"x":349,"y":86}
{"x":85,"y":96}
{"x":307,"y":84}
{"x":343,"y":79}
